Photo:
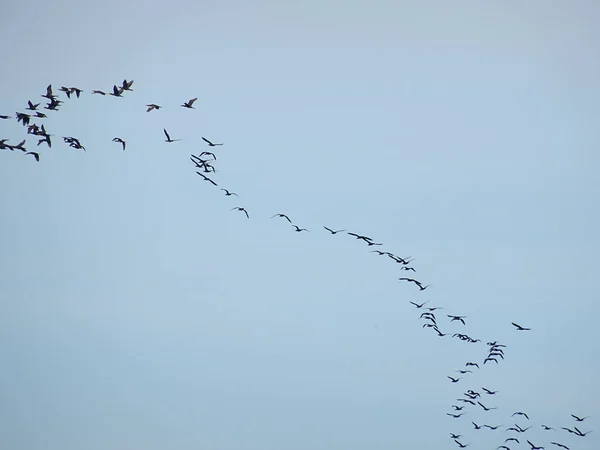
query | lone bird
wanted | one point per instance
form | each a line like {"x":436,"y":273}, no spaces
{"x":239,"y":208}
{"x":169,"y":137}
{"x":283,"y":216}
{"x":298,"y":229}
{"x":210,"y":144}
{"x":331,"y":231}
{"x":454,"y":380}
{"x":579,"y":419}
{"x":121,"y":141}
{"x":228,"y":194}
{"x":152,"y":106}
{"x":35,"y":155}
{"x":533,"y":447}
{"x":520,"y":328}
{"x":189,"y":103}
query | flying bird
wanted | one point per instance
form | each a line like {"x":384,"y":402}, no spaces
{"x":96,"y":91}
{"x":417,"y":305}
{"x":546,"y":427}
{"x":238,"y":208}
{"x":460,"y":444}
{"x":210,"y":144}
{"x":189,"y":103}
{"x":283,"y":216}
{"x":169,"y":137}
{"x":228,"y":194}
{"x":331,"y":231}
{"x":457,"y":318}
{"x":35,"y":155}
{"x":454,"y":380}
{"x":579,"y":419}
{"x":520,"y":328}
{"x":298,"y":229}
{"x":31,"y":106}
{"x":152,"y":106}
{"x":117,"y":91}
{"x":518,"y":413}
{"x":493,"y":428}
{"x":121,"y":141}
{"x":533,"y":447}
{"x":207,"y":179}
{"x":456,"y":416}
{"x":487,"y":391}
{"x":485,"y":408}
{"x":560,"y":445}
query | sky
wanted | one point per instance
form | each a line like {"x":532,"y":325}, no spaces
{"x":137,"y":311}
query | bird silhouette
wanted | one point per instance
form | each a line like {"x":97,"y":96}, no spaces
{"x":206,"y":178}
{"x":520,"y":328}
{"x":331,"y":231}
{"x":152,"y":106}
{"x":210,"y":144}
{"x":239,"y":208}
{"x":228,"y":194}
{"x":169,"y":137}
{"x":121,"y":141}
{"x":283,"y":216}
{"x":189,"y":103}
{"x":35,"y":155}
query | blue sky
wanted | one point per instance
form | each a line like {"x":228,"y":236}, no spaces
{"x":139,"y":312}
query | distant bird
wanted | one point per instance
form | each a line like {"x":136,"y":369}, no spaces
{"x":519,"y":413}
{"x":502,"y":446}
{"x":208,"y":154}
{"x":454,"y":380}
{"x":152,"y":106}
{"x":126,"y":86}
{"x":210,"y":144}
{"x":5,"y":117}
{"x":561,"y":445}
{"x":189,"y":103}
{"x":485,"y":408}
{"x":579,"y":419}
{"x":238,"y":208}
{"x":533,"y":447}
{"x":455,"y":436}
{"x":331,"y":231}
{"x":49,"y":95}
{"x":457,"y":318}
{"x":20,"y":146}
{"x":169,"y":137}
{"x":228,"y":194}
{"x":95,"y":91}
{"x":206,"y":178}
{"x":121,"y":141}
{"x":460,"y":444}
{"x":283,"y":216}
{"x":35,"y":155}
{"x":76,"y":91}
{"x":417,"y":305}
{"x":298,"y":229}
{"x":477,"y":427}
{"x":31,"y":106}
{"x":520,"y":328}
{"x":359,"y":236}
{"x":472,"y":364}
{"x":464,"y":371}
{"x":456,"y":416}
{"x":487,"y":391}
{"x":578,"y":432}
{"x":117,"y":91}
{"x":458,"y":408}
{"x":512,"y":439}
{"x":40,"y":115}
{"x":66,"y":90}
{"x":410,"y":280}
{"x":546,"y":427}
{"x":493,"y":428}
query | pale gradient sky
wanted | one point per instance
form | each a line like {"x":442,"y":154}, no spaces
{"x":137,"y":312}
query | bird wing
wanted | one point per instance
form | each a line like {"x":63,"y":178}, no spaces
{"x":191,"y":102}
{"x":206,"y":140}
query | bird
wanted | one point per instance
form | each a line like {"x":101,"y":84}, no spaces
{"x":117,"y":91}
{"x":579,"y":419}
{"x":152,"y":106}
{"x":485,"y":408}
{"x":210,"y":144}
{"x":578,"y":432}
{"x":298,"y":229}
{"x":228,"y":194}
{"x":454,"y":380}
{"x":31,"y":106}
{"x":493,"y":428}
{"x":456,"y":416}
{"x":206,"y":178}
{"x":520,"y":328}
{"x":169,"y":137}
{"x":519,"y":413}
{"x":121,"y":141}
{"x":417,"y":305}
{"x":464,"y":371}
{"x":502,"y":446}
{"x":283,"y":216}
{"x":239,"y":208}
{"x":35,"y":155}
{"x":477,"y":427}
{"x":455,"y":436}
{"x":472,"y":364}
{"x":560,"y":445}
{"x":126,"y":86}
{"x":546,"y":427}
{"x":410,"y":280}
{"x":457,"y":318}
{"x":49,"y":95}
{"x":96,"y":91}
{"x":189,"y":103}
{"x":331,"y":231}
{"x":487,"y":391}
{"x":512,"y":439}
{"x":460,"y":444}
{"x":533,"y":447}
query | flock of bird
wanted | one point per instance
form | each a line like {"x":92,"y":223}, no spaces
{"x":470,"y":400}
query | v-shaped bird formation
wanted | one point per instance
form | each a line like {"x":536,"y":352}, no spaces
{"x":475,"y":402}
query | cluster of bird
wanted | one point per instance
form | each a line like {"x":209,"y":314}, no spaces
{"x":204,"y":163}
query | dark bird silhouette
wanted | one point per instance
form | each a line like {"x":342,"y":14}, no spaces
{"x":210,"y":144}
{"x":485,"y":408}
{"x":126,"y":86}
{"x":533,"y":447}
{"x":569,"y":430}
{"x":472,"y":364}
{"x":298,"y":229}
{"x":460,"y":444}
{"x":76,"y":91}
{"x":458,"y":408}
{"x":520,"y":328}
{"x":490,"y":359}
{"x":331,"y":231}
{"x":40,"y":115}
{"x":66,"y":90}
{"x":31,"y":106}
{"x":454,"y":380}
{"x":360,"y":236}
{"x":502,"y":446}
{"x":35,"y":155}
{"x":512,"y":439}
{"x":121,"y":141}
{"x":5,"y":117}
{"x":49,"y":95}
{"x":19,"y":146}
{"x":487,"y":391}
{"x":464,"y":371}
{"x":579,"y":419}
{"x":152,"y":106}
{"x":578,"y":432}
{"x":456,"y":416}
{"x":477,"y":427}
{"x":207,"y":179}
{"x":369,"y":243}
{"x":560,"y":445}
{"x":228,"y":194}
{"x":238,"y":208}
{"x":455,"y":436}
{"x":169,"y":137}
{"x":457,"y":318}
{"x":411,"y":280}
{"x":96,"y":91}
{"x":493,"y":428}
{"x":283,"y":216}
{"x":519,"y":413}
{"x":117,"y":91}
{"x":208,"y":154}
{"x":546,"y":427}
{"x":189,"y":103}
{"x":417,"y":305}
